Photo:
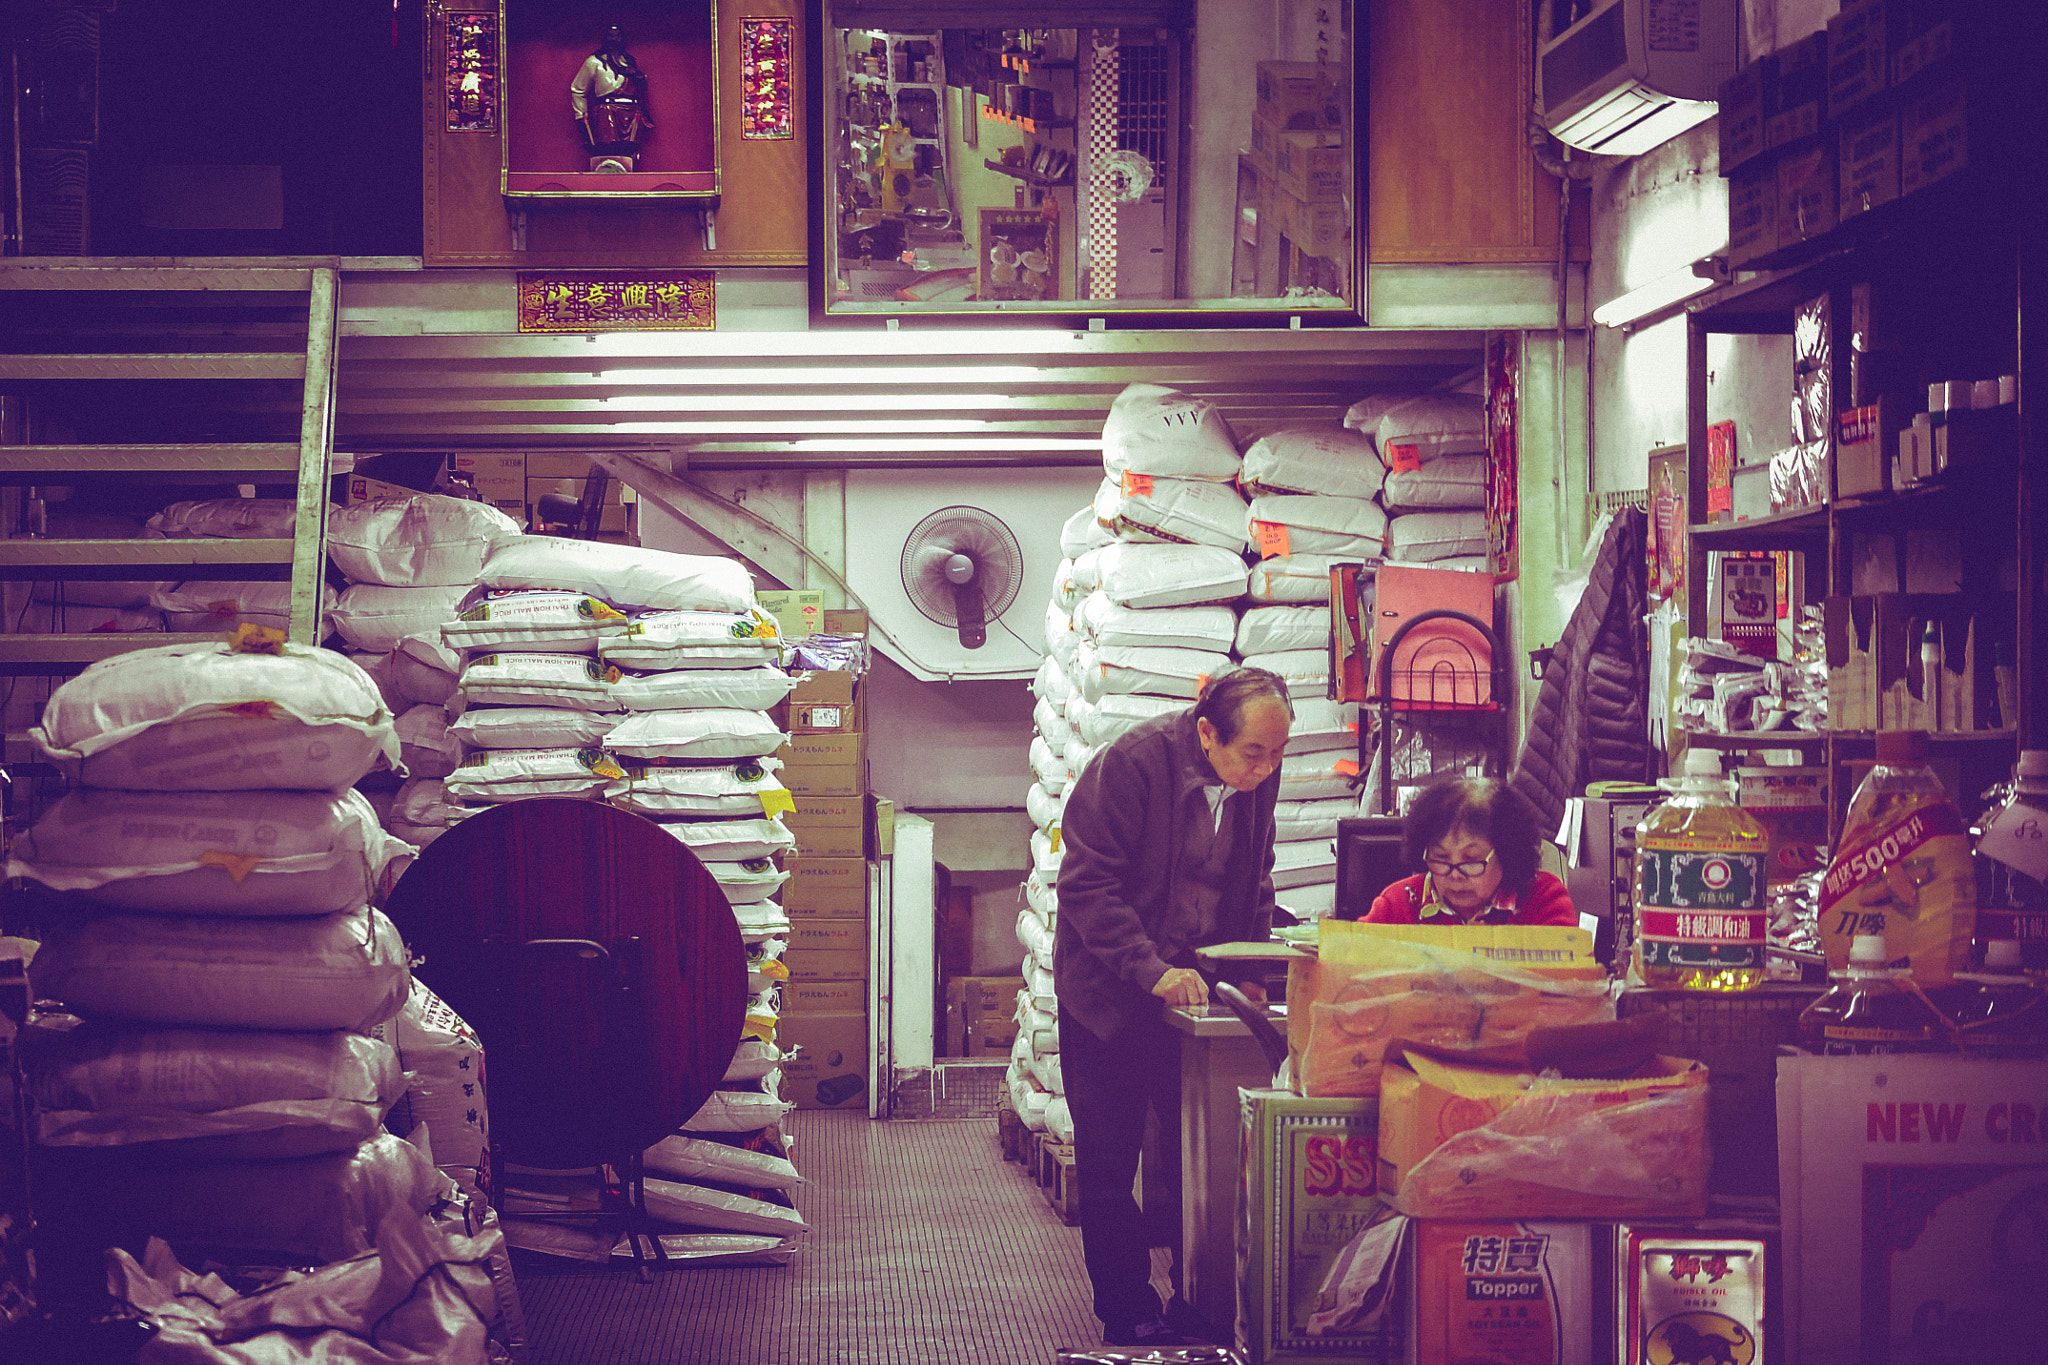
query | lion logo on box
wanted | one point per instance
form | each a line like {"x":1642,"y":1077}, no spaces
{"x":1700,"y":1339}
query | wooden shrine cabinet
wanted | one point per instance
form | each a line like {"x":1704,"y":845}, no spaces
{"x":720,"y":180}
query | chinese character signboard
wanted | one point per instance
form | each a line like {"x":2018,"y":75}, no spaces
{"x":470,"y":71}
{"x":767,"y":80}
{"x":621,"y":301}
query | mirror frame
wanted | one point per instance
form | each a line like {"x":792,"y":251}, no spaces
{"x":1075,"y":315}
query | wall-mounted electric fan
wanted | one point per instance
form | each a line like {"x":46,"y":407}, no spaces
{"x":962,"y":566}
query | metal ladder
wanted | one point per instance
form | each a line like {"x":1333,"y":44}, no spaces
{"x":27,"y":557}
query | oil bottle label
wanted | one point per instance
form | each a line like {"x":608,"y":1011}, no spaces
{"x":1701,"y":908}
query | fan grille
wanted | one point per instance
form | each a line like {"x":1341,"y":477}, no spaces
{"x":982,"y":537}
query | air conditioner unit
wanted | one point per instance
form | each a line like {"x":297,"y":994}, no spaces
{"x":1636,"y":73}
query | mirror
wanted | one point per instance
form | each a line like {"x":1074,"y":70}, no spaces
{"x":1170,"y":162}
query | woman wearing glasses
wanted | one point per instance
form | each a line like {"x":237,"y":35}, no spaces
{"x":1477,"y":840}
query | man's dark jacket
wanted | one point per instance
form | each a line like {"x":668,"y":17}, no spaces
{"x":1120,"y":923}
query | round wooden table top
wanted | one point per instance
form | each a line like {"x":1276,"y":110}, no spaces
{"x":592,"y":1052}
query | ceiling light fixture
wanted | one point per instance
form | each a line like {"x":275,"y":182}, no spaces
{"x":1666,"y":291}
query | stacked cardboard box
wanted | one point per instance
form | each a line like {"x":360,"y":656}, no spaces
{"x":1298,"y":146}
{"x":981,"y":1015}
{"x":824,"y":766}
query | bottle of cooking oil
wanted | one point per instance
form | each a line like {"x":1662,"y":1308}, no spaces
{"x":1701,"y":862}
{"x":1871,"y":1007}
{"x":1999,"y":1011}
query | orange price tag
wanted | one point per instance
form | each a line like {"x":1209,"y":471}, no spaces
{"x":1347,"y":766}
{"x":1137,"y":485}
{"x":236,"y":865}
{"x":1201,"y":683}
{"x":1403,"y":457}
{"x":1272,"y":538}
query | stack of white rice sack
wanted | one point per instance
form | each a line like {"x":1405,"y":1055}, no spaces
{"x":410,"y":562}
{"x":1433,"y":448}
{"x":222,"y":968}
{"x":198,"y":606}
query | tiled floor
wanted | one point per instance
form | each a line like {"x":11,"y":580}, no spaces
{"x":925,"y":1247}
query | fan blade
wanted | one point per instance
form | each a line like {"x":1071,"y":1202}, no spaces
{"x":972,"y":613}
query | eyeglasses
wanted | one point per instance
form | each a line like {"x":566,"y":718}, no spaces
{"x":1444,"y":867}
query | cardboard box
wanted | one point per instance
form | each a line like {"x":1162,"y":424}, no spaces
{"x":826,"y":886}
{"x":1859,"y":63}
{"x":1318,"y":228}
{"x":824,"y":765}
{"x":1299,"y":95}
{"x":1911,"y":56}
{"x":1508,"y":1293}
{"x":362,"y":488}
{"x":498,"y":478}
{"x":827,"y":949}
{"x":845,"y":621}
{"x":814,"y":812}
{"x":828,"y":841}
{"x":1792,"y":806}
{"x":1312,"y":164}
{"x":797,"y":611}
{"x":1741,"y":120}
{"x":1950,"y":1148}
{"x":832,"y":1070}
{"x":823,"y":688}
{"x":822,"y":718}
{"x":1933,"y":138}
{"x":1808,"y":190}
{"x":1309,"y":1188}
{"x":1752,"y":214}
{"x":1793,"y":104}
{"x":1562,"y":1160}
{"x":828,"y":995}
{"x":1864,"y":439}
{"x":1869,"y":162}
{"x":981,"y":1015}
{"x":882,"y":826}
{"x":1265,"y":144}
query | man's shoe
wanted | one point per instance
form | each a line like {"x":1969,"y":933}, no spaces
{"x":1150,"y":1335}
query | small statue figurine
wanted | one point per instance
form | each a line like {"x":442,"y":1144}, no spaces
{"x":609,"y":96}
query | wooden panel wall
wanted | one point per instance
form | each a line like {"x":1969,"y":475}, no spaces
{"x":760,"y":216}
{"x":1448,"y":84}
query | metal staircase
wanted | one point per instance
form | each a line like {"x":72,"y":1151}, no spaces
{"x":121,"y":346}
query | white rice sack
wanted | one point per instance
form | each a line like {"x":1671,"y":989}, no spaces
{"x":345,"y":970}
{"x":1078,"y":710}
{"x":1170,"y":575}
{"x":228,"y":519}
{"x":742,"y":689}
{"x":1288,"y":524}
{"x":204,"y":718}
{"x":695,"y":639}
{"x":1327,"y":460}
{"x":1045,"y":1069}
{"x":1082,"y":533}
{"x":1086,"y":575}
{"x":1045,"y":857}
{"x":1052,"y":724}
{"x":1063,"y":584}
{"x":425,"y":540}
{"x":197,"y":607}
{"x":1432,"y":425}
{"x":1364,"y":415}
{"x":1058,"y":1120}
{"x":218,"y":1093}
{"x":1051,"y":683}
{"x":1105,"y":623}
{"x":422,"y":669}
{"x":1423,"y":537}
{"x":1183,"y":511}
{"x":444,"y":1072}
{"x":74,"y":618}
{"x":1116,"y":715}
{"x":1316,"y":901}
{"x":532,"y":727}
{"x":211,"y":853}
{"x":1078,"y":755}
{"x":1453,"y":483}
{"x":1304,"y":862}
{"x":375,"y":618}
{"x":1042,"y":806}
{"x":1292,"y":579}
{"x":1296,"y":820}
{"x":1306,"y":671}
{"x":1027,"y":1097}
{"x":108,"y":592}
{"x":1464,"y":564}
{"x":1320,"y":723}
{"x":729,"y":791}
{"x":1040,"y":896}
{"x":1322,"y":776}
{"x":425,"y":745}
{"x":708,"y":735}
{"x":1034,"y":934}
{"x":629,"y":576}
{"x":688,"y":1158}
{"x":732,"y":841}
{"x":554,"y":680}
{"x":1115,"y":669}
{"x":424,"y":803}
{"x":493,"y":775}
{"x":751,"y":1060}
{"x":1269,"y":630}
{"x":673,"y":1201}
{"x":551,"y":622}
{"x":1061,"y":639}
{"x":1152,"y":429}
{"x":1049,"y":766}
{"x":737,"y":1111}
{"x":749,"y":882}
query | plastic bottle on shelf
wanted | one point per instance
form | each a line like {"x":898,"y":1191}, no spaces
{"x":1902,"y":867}
{"x":1701,"y":862}
{"x":2012,"y":855}
{"x":1999,"y":1011}
{"x":1872,"y":1006}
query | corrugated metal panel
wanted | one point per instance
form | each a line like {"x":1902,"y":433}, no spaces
{"x":838,"y":398}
